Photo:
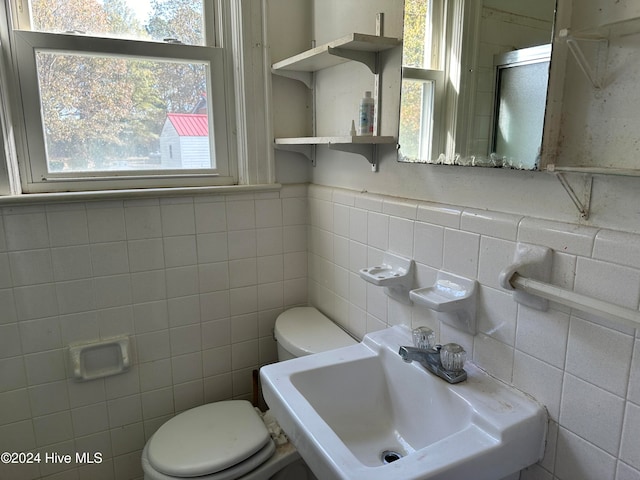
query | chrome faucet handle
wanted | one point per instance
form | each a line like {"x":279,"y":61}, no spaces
{"x":452,"y":357}
{"x":424,"y":338}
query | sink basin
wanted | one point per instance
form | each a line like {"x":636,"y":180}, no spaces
{"x":362,"y":412}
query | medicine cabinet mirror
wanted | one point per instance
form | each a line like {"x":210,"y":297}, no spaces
{"x":474,"y":81}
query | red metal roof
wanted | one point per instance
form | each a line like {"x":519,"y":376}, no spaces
{"x":189,"y":124}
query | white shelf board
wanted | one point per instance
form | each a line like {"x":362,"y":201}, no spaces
{"x":627,"y":172}
{"x":320,"y":57}
{"x":356,"y":140}
{"x":621,"y":28}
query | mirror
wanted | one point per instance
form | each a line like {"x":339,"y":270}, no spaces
{"x":474,"y":81}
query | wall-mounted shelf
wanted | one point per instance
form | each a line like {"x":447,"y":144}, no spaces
{"x":625,"y":172}
{"x":584,"y":204}
{"x":610,"y":30}
{"x":359,"y":140}
{"x":357,"y":47}
{"x":590,"y":48}
{"x":599,"y":35}
{"x":360,"y":145}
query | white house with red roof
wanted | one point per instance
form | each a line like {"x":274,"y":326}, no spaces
{"x":184,"y":141}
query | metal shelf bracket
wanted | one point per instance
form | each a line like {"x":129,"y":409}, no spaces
{"x":583,"y":205}
{"x":594,"y":71}
{"x":366,"y":58}
{"x":370,"y":152}
{"x":308,"y":151}
{"x":304,"y":77}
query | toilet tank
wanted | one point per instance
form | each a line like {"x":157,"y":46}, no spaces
{"x":302,"y":331}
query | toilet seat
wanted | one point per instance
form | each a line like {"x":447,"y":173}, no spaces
{"x":217,"y":441}
{"x":232,"y":473}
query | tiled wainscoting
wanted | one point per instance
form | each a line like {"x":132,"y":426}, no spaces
{"x":196,"y":281}
{"x":585,"y":370}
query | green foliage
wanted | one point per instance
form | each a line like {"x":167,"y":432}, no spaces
{"x":415,"y":29}
{"x":179,"y":19}
{"x":68,"y":15}
{"x":413,"y":55}
{"x":411,"y":119}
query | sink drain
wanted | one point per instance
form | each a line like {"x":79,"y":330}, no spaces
{"x":389,"y":456}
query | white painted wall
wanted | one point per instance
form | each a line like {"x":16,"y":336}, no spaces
{"x":289,"y":32}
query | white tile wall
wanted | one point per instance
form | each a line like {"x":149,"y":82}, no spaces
{"x":199,"y":281}
{"x":585,"y":370}
{"x":196,"y":281}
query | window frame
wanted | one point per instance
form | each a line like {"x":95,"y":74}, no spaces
{"x":7,"y":179}
{"x":432,"y":127}
{"x":27,"y":121}
{"x":431,"y":124}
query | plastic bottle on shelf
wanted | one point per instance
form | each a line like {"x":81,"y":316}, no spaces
{"x":366,"y":115}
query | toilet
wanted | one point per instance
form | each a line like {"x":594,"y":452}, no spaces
{"x":229,"y":440}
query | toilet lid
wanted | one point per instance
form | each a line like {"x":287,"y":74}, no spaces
{"x":207,"y":439}
{"x":305,"y":330}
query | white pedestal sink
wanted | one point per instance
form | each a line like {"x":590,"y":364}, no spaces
{"x":362,"y":412}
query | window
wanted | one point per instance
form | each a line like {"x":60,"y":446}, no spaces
{"x":120,"y":93}
{"x":434,"y":68}
{"x":422,"y":78}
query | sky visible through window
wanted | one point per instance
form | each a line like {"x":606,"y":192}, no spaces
{"x":142,"y":9}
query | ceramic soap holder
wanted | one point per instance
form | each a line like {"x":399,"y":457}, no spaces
{"x":453,"y":297}
{"x":395,"y":274}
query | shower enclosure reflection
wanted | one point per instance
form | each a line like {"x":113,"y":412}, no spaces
{"x":522,"y":77}
{"x":462,"y":104}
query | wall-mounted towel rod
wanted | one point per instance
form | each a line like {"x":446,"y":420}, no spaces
{"x":603,"y":309}
{"x":528,"y":279}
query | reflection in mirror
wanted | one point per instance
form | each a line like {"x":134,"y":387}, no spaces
{"x":461,"y":103}
{"x":522,"y":77}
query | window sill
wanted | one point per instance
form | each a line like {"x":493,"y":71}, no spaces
{"x":39,"y":198}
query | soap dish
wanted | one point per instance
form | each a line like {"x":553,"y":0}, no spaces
{"x":101,"y":358}
{"x":453,"y":297}
{"x":395,"y":274}
{"x":384,"y":275}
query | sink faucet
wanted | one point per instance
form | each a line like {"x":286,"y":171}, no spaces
{"x":430,"y":358}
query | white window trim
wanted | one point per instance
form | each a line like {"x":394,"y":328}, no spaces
{"x":9,"y":177}
{"x":5,"y":186}
{"x":7,"y":180}
{"x":463,"y":38}
{"x":252,"y":60}
{"x":35,"y":175}
{"x":248,"y":136}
